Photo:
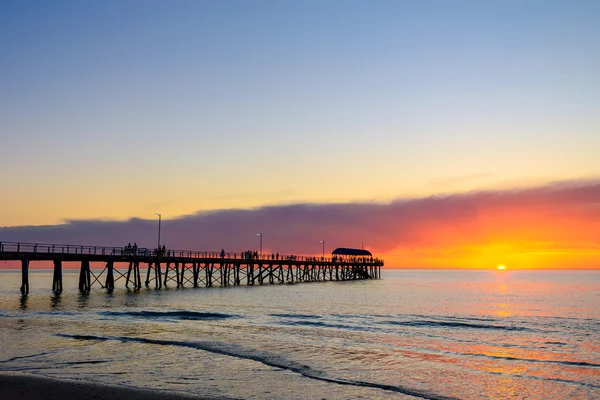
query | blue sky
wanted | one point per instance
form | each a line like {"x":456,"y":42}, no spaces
{"x":116,"y":109}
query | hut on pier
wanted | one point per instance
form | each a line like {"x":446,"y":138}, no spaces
{"x":348,"y":253}
{"x":345,"y":251}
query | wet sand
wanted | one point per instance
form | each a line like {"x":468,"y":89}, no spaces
{"x":15,"y":386}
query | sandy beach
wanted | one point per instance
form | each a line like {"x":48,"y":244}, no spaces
{"x":27,"y":387}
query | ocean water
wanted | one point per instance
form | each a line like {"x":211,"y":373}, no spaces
{"x":413,"y":334}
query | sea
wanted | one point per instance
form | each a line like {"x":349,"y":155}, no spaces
{"x":414,"y":334}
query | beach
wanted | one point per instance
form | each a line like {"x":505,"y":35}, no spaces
{"x":28,"y":387}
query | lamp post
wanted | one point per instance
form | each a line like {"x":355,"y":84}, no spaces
{"x":159,"y":218}
{"x":323,"y":243}
{"x":260,"y":236}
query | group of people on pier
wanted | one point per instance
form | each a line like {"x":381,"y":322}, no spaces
{"x":133,"y":250}
{"x":129,"y":249}
{"x":250,"y":255}
{"x":254,"y":255}
{"x":162,"y":251}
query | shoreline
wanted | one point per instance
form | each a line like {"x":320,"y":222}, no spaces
{"x":18,"y":385}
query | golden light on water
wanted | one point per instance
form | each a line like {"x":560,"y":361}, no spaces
{"x":501,"y":267}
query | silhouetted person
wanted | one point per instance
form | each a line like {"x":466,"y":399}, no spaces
{"x":222,"y":253}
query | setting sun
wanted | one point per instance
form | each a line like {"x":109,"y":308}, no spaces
{"x":501,"y":267}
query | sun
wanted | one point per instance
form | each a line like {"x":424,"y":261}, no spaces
{"x":501,"y":267}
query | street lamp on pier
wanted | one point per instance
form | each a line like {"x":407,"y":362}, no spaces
{"x":159,"y":218}
{"x":323,"y":243}
{"x":260,"y":236}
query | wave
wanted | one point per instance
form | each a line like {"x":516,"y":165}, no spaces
{"x":321,"y":324}
{"x":303,"y":316}
{"x":177,"y":315}
{"x":304,"y":320}
{"x":446,"y":324}
{"x":44,"y":353}
{"x":544,"y":378}
{"x":536,"y":360}
{"x":371,"y":326}
{"x":263,"y":358}
{"x":83,"y":362}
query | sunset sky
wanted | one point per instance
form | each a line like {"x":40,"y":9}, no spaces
{"x":462,"y":134}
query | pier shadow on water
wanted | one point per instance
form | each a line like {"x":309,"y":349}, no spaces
{"x":55,"y":301}
{"x":83,"y":299}
{"x":23,"y":302}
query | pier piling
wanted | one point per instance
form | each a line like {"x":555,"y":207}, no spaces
{"x":110,"y":277}
{"x":85,"y":281}
{"x":57,"y":285}
{"x":25,"y":276}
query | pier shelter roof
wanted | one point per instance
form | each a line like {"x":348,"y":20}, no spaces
{"x":345,"y":251}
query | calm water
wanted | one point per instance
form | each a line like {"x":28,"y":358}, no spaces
{"x":423,"y":334}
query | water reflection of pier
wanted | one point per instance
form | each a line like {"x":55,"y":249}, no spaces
{"x":185,"y":268}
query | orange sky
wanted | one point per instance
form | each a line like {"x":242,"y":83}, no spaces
{"x":519,"y":236}
{"x":555,"y":226}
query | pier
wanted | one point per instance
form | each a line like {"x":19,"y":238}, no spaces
{"x":183,"y":267}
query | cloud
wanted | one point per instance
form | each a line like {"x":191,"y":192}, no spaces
{"x":560,"y":215}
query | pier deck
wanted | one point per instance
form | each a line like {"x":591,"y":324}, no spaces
{"x":184,"y":267}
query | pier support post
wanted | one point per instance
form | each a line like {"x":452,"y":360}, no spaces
{"x":129,"y":270}
{"x":209,"y":274}
{"x":196,"y":267}
{"x":110,"y":276}
{"x":24,"y":276}
{"x":84,"y":276}
{"x":148,"y":274}
{"x":180,"y":278}
{"x":158,"y":275}
{"x":167,"y":268}
{"x":57,"y":285}
{"x":177,"y":276}
{"x":136,"y":266}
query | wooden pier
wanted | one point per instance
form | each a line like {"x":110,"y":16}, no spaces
{"x":183,"y":267}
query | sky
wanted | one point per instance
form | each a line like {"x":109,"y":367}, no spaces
{"x":279,"y":115}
